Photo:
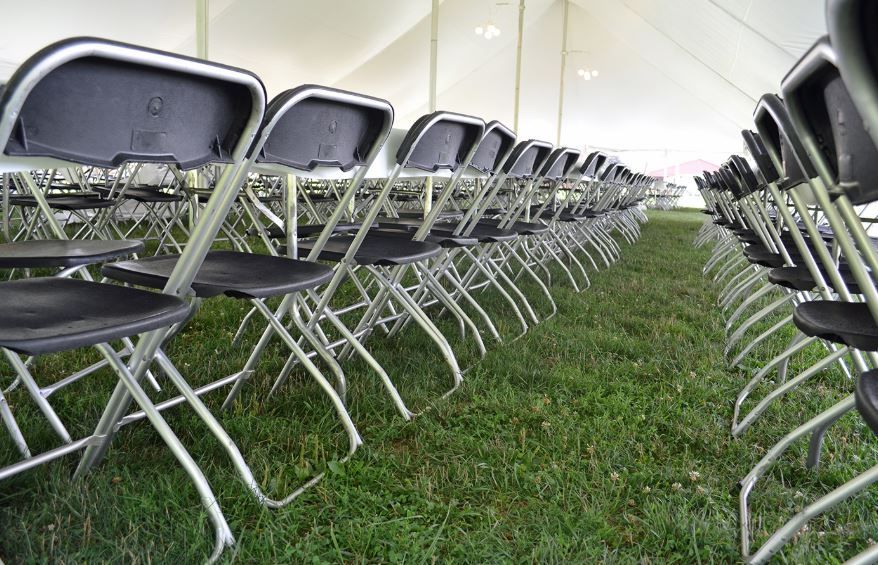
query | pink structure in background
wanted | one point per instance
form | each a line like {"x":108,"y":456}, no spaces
{"x":689,"y":168}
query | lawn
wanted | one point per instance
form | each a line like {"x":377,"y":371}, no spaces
{"x":601,"y":435}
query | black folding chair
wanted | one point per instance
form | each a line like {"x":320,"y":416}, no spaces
{"x":95,"y":102}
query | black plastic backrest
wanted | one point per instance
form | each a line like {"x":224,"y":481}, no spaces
{"x":441,"y":140}
{"x":731,"y":181}
{"x":609,"y":173}
{"x":323,"y":127}
{"x":851,"y":25}
{"x":494,"y":147}
{"x":590,"y":164}
{"x":819,"y":101}
{"x":560,"y":163}
{"x":744,"y":173}
{"x":759,"y":159}
{"x":781,"y":140}
{"x":98,"y":102}
{"x":699,"y":182}
{"x":527,"y":158}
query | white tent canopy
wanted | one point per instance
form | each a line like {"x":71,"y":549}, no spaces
{"x":678,"y":79}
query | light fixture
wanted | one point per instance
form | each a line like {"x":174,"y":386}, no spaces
{"x":594,"y":73}
{"x":487,"y":30}
{"x":586,"y":76}
{"x":581,"y":72}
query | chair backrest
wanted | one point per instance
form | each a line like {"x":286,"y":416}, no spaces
{"x":830,"y":126}
{"x":440,"y":141}
{"x":494,"y":148}
{"x":758,"y":158}
{"x":97,"y":102}
{"x":527,"y":159}
{"x":782,"y":142}
{"x":591,"y":164}
{"x":315,"y":126}
{"x":560,"y":163}
{"x":741,"y":168}
{"x":851,"y":25}
{"x":611,"y":172}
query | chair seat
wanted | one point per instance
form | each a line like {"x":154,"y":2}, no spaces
{"x":759,"y":255}
{"x":866,"y":397}
{"x":144,"y":194}
{"x":849,"y":323}
{"x":376,"y":249}
{"x":68,"y":203}
{"x":747,"y":236}
{"x":147,"y":195}
{"x":233,"y":273}
{"x":444,"y":239}
{"x":522,"y":228}
{"x":799,"y":278}
{"x":49,"y":314}
{"x":310,"y":230}
{"x":40,"y":253}
{"x":487,"y":233}
{"x":444,"y":215}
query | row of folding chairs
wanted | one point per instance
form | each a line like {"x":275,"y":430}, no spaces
{"x":177,"y":178}
{"x":664,"y":195}
{"x":790,"y":225}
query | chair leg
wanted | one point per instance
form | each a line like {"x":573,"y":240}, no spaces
{"x":819,"y":422}
{"x":222,"y":533}
{"x":823,"y":504}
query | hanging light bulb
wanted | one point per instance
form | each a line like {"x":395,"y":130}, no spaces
{"x":479,"y":30}
{"x":594,"y":73}
{"x":581,"y":72}
{"x":586,"y":76}
{"x":496,"y":31}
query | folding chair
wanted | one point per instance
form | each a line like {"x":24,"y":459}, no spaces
{"x":178,"y":110}
{"x":309,"y":129}
{"x":438,"y":143}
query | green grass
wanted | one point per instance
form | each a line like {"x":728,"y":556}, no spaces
{"x":602,"y":435}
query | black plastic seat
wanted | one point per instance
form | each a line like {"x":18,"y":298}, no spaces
{"x":54,"y":314}
{"x":67,"y":203}
{"x":376,"y":249}
{"x":485,"y":233}
{"x":799,"y":278}
{"x":848,"y":323}
{"x":747,"y":236}
{"x":42,"y":253}
{"x":444,"y":215}
{"x":233,"y":273}
{"x":311,"y":230}
{"x":866,"y":397}
{"x":444,"y":239}
{"x":759,"y":255}
{"x":522,"y":228}
{"x":151,"y":195}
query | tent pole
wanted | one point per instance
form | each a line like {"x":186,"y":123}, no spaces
{"x":563,"y":70}
{"x":434,"y":71}
{"x":518,"y":65}
{"x":434,"y":53}
{"x":202,"y":23}
{"x":202,"y":20}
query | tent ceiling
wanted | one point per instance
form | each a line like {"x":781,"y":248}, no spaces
{"x":674,"y":74}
